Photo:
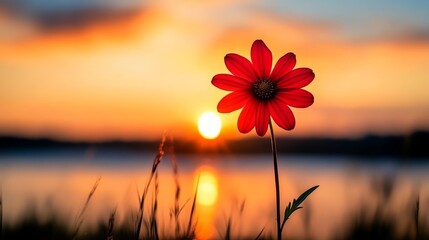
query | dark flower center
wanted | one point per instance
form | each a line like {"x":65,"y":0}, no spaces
{"x":264,"y":89}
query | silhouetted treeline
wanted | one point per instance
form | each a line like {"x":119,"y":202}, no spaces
{"x":415,"y":145}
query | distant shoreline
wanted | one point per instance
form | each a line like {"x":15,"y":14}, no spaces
{"x":415,"y":145}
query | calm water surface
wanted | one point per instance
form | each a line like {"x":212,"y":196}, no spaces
{"x":240,"y":188}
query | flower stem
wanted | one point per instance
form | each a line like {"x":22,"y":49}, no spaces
{"x":276,"y":180}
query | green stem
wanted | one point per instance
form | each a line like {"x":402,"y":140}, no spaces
{"x":276,"y":179}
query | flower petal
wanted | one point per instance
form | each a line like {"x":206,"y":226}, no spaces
{"x":298,"y":98}
{"x":230,"y":82}
{"x":262,"y":59}
{"x":233,"y":101}
{"x":246,"y":120}
{"x":262,"y":118}
{"x":240,"y":66}
{"x":284,"y":65}
{"x":296,"y":78}
{"x":282,"y":115}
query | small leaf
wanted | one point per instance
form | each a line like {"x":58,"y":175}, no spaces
{"x":305,"y":195}
{"x":295,"y":204}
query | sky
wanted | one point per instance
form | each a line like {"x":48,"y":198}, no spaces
{"x":132,"y":69}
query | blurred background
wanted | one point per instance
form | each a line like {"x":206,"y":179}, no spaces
{"x":88,"y":88}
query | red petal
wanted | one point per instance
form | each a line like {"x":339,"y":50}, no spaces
{"x":233,"y":101}
{"x":298,"y":98}
{"x":296,"y":78}
{"x":246,"y":120}
{"x":262,"y":59}
{"x":240,"y":66}
{"x":230,"y":83}
{"x":284,"y":65}
{"x":282,"y":115}
{"x":262,"y":119}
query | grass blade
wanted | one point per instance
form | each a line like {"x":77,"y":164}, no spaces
{"x":153,"y":221}
{"x":189,"y":233}
{"x":416,"y":216}
{"x":81,"y":217}
{"x":177,"y":209}
{"x":111,"y":225}
{"x":260,"y":234}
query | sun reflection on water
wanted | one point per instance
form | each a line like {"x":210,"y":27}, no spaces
{"x":207,"y":192}
{"x":207,"y":196}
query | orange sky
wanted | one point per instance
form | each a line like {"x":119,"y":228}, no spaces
{"x":136,"y":75}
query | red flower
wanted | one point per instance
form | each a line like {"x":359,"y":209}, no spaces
{"x":263,"y":93}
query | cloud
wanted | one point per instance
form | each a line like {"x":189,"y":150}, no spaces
{"x":33,"y":18}
{"x":82,"y":18}
{"x":407,"y":35}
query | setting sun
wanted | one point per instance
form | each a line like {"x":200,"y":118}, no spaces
{"x":209,"y":125}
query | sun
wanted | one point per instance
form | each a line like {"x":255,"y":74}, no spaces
{"x":209,"y":125}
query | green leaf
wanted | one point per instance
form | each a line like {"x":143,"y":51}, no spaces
{"x":295,"y":204}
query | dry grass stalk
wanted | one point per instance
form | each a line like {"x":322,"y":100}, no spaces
{"x":81,"y":217}
{"x":176,"y":210}
{"x":153,"y":225}
{"x":111,"y":225}
{"x":260,"y":234}
{"x":190,"y":232}
{"x":142,"y":199}
{"x":228,"y":229}
{"x":416,"y":216}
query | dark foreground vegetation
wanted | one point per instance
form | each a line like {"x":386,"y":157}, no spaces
{"x":371,"y":220}
{"x":382,"y":223}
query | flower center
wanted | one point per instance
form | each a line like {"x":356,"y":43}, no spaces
{"x":264,"y":89}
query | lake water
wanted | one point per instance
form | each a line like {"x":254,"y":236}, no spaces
{"x":239,"y":188}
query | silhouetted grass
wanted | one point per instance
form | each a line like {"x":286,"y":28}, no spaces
{"x":31,"y":227}
{"x":153,"y":172}
{"x":152,"y":223}
{"x":190,"y":231}
{"x":111,"y":225}
{"x":81,"y":217}
{"x":382,"y":223}
{"x":175,"y":212}
{"x":363,"y":225}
